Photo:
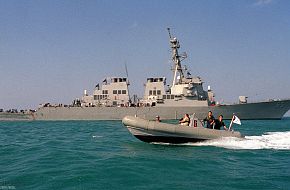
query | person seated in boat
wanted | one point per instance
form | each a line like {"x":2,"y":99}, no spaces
{"x":218,"y":123}
{"x":185,"y":120}
{"x":209,"y":120}
{"x":157,"y":118}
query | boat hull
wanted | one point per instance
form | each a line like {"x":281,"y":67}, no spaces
{"x":170,"y":140}
{"x":260,"y":110}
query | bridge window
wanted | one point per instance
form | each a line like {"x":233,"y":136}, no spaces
{"x":124,"y":92}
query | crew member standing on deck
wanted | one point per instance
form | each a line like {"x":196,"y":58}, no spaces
{"x":218,"y":123}
{"x":209,"y":120}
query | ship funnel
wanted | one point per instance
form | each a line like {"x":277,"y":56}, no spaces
{"x":85,"y":93}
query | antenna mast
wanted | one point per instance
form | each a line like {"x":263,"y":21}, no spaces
{"x":175,"y":58}
{"x":127,"y":82}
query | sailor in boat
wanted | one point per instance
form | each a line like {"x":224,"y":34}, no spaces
{"x":218,"y":123}
{"x":185,"y":120}
{"x":157,"y":118}
{"x":209,"y":120}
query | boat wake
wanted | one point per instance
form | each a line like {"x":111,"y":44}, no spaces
{"x":269,"y":140}
{"x":97,"y":136}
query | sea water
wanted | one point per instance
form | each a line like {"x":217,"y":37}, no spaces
{"x":78,"y":155}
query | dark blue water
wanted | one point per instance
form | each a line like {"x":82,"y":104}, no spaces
{"x":103,"y":155}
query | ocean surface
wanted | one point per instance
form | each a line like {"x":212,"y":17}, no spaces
{"x":75,"y":155}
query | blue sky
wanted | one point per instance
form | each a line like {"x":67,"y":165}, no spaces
{"x":50,"y":51}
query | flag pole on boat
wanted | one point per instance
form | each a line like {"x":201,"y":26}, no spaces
{"x":236,"y":120}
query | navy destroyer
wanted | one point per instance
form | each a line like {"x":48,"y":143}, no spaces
{"x":111,"y":99}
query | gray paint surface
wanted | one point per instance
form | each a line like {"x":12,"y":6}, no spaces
{"x":261,"y":110}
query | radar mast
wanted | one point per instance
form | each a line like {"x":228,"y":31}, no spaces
{"x":177,"y":68}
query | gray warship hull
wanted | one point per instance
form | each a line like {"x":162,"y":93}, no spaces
{"x":15,"y":116}
{"x":249,"y":111}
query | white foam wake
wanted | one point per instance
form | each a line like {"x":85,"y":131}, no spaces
{"x":270,"y":140}
{"x":97,"y":136}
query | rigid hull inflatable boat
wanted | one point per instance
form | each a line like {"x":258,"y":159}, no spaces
{"x":152,"y":131}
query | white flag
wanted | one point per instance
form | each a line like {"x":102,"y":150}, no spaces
{"x":236,"y":120}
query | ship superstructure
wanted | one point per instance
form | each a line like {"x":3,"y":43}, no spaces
{"x":113,"y":92}
{"x":185,"y":90}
